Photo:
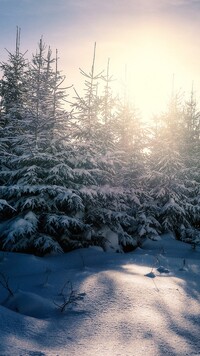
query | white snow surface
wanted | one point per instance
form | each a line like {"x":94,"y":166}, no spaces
{"x":143,"y":303}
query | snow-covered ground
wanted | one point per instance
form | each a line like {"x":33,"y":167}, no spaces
{"x":143,"y":303}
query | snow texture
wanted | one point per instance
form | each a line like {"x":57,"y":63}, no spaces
{"x":143,"y":303}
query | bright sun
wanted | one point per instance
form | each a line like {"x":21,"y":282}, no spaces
{"x":153,"y":67}
{"x":149,"y":78}
{"x":155,"y":58}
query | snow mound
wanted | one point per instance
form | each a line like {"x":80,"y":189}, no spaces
{"x":30,"y":304}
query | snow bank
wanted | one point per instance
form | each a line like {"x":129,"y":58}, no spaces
{"x":142,"y":303}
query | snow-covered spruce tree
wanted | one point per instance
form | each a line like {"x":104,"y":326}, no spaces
{"x":37,"y":182}
{"x":61,"y":126}
{"x":13,"y":82}
{"x":42,"y":99}
{"x":13,"y":91}
{"x":190,"y":151}
{"x":107,"y":113}
{"x":191,"y":137}
{"x":167,"y":181}
{"x":94,"y":117}
{"x":86,"y":108}
{"x":130,"y":137}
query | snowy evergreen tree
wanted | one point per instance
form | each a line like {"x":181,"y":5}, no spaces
{"x":168,"y":180}
{"x":13,"y":84}
{"x":107,"y":113}
{"x":61,"y":119}
{"x":40,"y":106}
{"x":191,"y":136}
{"x":132,"y":141}
{"x":13,"y":92}
{"x":190,"y":151}
{"x":87,"y":107}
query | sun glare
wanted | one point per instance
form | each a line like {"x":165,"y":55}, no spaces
{"x":150,"y":66}
{"x":148,"y":75}
{"x":149,"y":59}
{"x":149,"y":78}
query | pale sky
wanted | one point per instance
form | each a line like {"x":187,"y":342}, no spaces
{"x":154,"y":39}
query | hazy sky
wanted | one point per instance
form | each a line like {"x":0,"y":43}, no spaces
{"x":154,"y":39}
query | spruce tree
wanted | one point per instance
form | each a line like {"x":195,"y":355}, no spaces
{"x":13,"y":92}
{"x":167,"y":180}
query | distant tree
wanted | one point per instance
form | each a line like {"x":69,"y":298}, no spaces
{"x":107,"y":113}
{"x":191,"y":133}
{"x":86,"y":108}
{"x":130,"y":142}
{"x":169,"y":183}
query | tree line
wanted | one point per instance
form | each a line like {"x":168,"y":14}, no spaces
{"x":70,"y":178}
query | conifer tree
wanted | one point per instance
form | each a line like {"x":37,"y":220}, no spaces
{"x":40,"y":100}
{"x":107,"y":113}
{"x":191,"y":132}
{"x":13,"y":82}
{"x":167,"y":180}
{"x":87,"y":107}
{"x":13,"y":91}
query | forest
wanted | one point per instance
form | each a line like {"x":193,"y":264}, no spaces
{"x":88,"y":171}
